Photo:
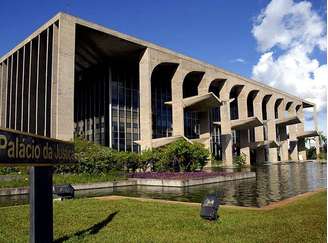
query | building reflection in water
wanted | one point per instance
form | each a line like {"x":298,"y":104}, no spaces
{"x":272,"y":183}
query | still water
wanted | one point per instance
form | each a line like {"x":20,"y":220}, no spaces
{"x":272,"y":183}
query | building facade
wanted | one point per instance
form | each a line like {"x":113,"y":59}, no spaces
{"x":72,"y":77}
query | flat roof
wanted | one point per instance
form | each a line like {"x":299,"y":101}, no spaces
{"x":147,"y":44}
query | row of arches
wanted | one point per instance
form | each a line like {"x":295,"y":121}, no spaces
{"x":161,"y":86}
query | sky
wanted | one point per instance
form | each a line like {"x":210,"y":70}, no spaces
{"x":281,"y":43}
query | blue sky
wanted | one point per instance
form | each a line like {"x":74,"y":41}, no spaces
{"x":217,"y":32}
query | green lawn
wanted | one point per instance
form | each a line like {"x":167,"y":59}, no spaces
{"x":65,"y":179}
{"x":92,"y":220}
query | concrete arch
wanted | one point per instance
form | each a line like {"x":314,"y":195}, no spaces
{"x":288,"y":105}
{"x":161,"y":91}
{"x":277,"y":108}
{"x":233,"y":94}
{"x":216,"y":86}
{"x":264,"y":105}
{"x":250,"y":102}
{"x":298,"y":108}
{"x":191,"y":82}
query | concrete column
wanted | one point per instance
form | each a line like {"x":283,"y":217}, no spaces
{"x":177,"y":105}
{"x":2,"y":88}
{"x":317,"y":139}
{"x":63,"y":79}
{"x":271,"y":128}
{"x":259,"y":136}
{"x":283,"y":134}
{"x":242,"y":114}
{"x":226,"y":137}
{"x":292,"y":130}
{"x":145,"y":70}
{"x":300,"y":129}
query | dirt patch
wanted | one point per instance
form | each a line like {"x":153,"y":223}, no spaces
{"x":271,"y":206}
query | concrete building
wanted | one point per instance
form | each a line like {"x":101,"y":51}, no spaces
{"x":75,"y":77}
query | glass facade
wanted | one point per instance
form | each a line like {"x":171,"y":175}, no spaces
{"x":107,"y":106}
{"x":191,"y":124}
{"x":235,"y":142}
{"x":161,"y":113}
{"x":216,"y":146}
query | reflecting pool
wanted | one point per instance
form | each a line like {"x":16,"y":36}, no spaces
{"x":272,"y":183}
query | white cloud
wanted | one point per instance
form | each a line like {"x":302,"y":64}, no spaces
{"x":241,"y":60}
{"x":287,"y":34}
{"x":286,"y":24}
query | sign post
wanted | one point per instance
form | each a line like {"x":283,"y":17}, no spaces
{"x":41,"y":222}
{"x":41,"y":153}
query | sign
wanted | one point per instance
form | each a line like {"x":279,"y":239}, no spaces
{"x":18,"y":148}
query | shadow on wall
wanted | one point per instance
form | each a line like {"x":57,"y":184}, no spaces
{"x":89,"y":231}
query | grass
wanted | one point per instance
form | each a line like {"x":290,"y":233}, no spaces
{"x":23,"y":180}
{"x":92,"y":220}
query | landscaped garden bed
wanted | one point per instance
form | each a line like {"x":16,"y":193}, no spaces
{"x":185,"y":179}
{"x":177,"y":175}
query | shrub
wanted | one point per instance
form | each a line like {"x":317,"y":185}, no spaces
{"x":240,"y":161}
{"x":323,"y":155}
{"x":96,"y":159}
{"x":148,"y":159}
{"x":311,"y":153}
{"x":182,"y":156}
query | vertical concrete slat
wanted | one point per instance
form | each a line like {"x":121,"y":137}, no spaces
{"x":63,"y":86}
{"x":26,"y":84}
{"x":14,"y":91}
{"x":49,"y":81}
{"x":33,"y":86}
{"x":37,"y":87}
{"x":145,"y":70}
{"x":8,"y":99}
{"x":3,"y":90}
{"x":46,"y":86}
{"x":10,"y":92}
{"x":19,"y":89}
{"x":29,"y":89}
{"x":54,"y":77}
{"x":23,"y":89}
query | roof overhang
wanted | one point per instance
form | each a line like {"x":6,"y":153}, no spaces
{"x":307,"y":104}
{"x":244,"y":123}
{"x":308,"y":134}
{"x":260,"y":144}
{"x":291,"y":120}
{"x":160,"y":142}
{"x":201,"y":140}
{"x":200,"y":102}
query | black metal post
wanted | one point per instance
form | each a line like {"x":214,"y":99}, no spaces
{"x":41,"y":214}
